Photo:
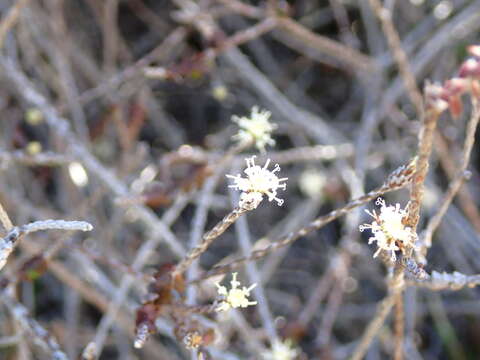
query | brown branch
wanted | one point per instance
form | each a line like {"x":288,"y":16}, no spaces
{"x":326,"y":46}
{"x":207,"y":240}
{"x":11,"y":19}
{"x":424,"y":150}
{"x":243,"y":9}
{"x":249,"y":34}
{"x":376,"y":323}
{"x":5,"y":219}
{"x":399,"y":326}
{"x":385,"y":17}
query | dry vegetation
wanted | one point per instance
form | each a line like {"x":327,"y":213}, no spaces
{"x":123,"y":238}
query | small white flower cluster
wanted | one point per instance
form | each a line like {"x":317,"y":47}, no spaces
{"x":281,"y":351}
{"x":389,"y":230}
{"x":255,"y":128}
{"x":259,"y":181}
{"x":235,"y":297}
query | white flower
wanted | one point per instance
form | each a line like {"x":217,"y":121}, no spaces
{"x":281,"y":351}
{"x":235,"y":297}
{"x":259,"y":181}
{"x":255,"y":128}
{"x":312,"y":183}
{"x":389,"y":230}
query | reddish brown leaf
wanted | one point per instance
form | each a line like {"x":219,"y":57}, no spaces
{"x":455,"y":106}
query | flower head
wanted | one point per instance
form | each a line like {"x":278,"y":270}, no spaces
{"x":235,"y":297}
{"x":281,"y":351}
{"x":259,"y":181}
{"x":255,"y":128}
{"x":389,"y":230}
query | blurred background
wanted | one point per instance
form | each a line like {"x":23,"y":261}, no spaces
{"x":117,"y":112}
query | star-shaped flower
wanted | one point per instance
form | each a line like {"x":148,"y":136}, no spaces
{"x":389,"y":230}
{"x":235,"y":297}
{"x":259,"y":181}
{"x":256,"y":128}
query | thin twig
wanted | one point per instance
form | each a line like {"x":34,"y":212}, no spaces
{"x":110,"y":34}
{"x":383,"y":309}
{"x":461,"y":176}
{"x":343,"y":22}
{"x":11,"y":19}
{"x":399,"y":55}
{"x":243,"y":235}
{"x":249,"y":34}
{"x":5,"y":219}
{"x":318,"y":294}
{"x":399,"y":326}
{"x":449,"y":165}
{"x":40,"y":336}
{"x":47,"y":158}
{"x":310,"y":153}
{"x":208,"y":239}
{"x":8,"y":243}
{"x":436,"y":219}
{"x":61,"y":58}
{"x":424,"y":150}
{"x":324,"y":45}
{"x":340,"y":267}
{"x":243,"y":9}
{"x":447,"y":281}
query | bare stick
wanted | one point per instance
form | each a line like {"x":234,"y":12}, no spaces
{"x":61,"y":58}
{"x":343,"y":22}
{"x":5,"y":219}
{"x":383,"y":310}
{"x":243,"y":9}
{"x":310,"y":153}
{"x":110,"y":34}
{"x":243,"y":236}
{"x":374,"y":326}
{"x":399,"y":326}
{"x":47,"y":158}
{"x":318,"y":294}
{"x":40,"y":336}
{"x":248,"y":34}
{"x":461,"y":176}
{"x":449,"y":165}
{"x":345,"y":54}
{"x":399,"y":55}
{"x":11,"y":19}
{"x":339,"y":266}
{"x":208,"y":239}
{"x":448,"y":281}
{"x":435,"y":220}
{"x":424,"y":150}
{"x":7,"y":244}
